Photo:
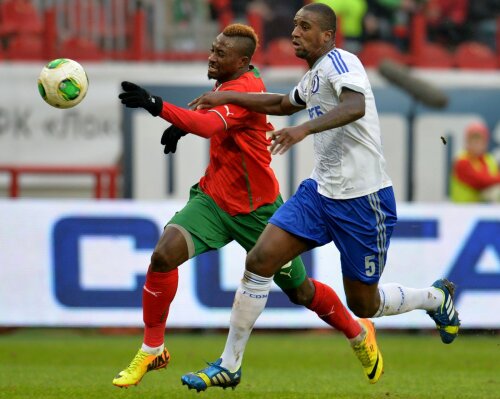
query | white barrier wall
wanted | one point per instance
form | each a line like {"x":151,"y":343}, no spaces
{"x":82,"y":263}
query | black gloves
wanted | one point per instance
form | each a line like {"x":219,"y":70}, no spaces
{"x":170,"y":138}
{"x":136,"y":97}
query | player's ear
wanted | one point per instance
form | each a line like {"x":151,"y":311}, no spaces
{"x":328,"y":36}
{"x":244,"y":61}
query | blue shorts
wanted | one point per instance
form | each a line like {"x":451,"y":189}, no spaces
{"x":361,"y":227}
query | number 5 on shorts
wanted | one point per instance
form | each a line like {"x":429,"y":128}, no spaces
{"x":369,"y":265}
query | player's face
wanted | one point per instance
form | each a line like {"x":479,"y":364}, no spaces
{"x":224,"y":61}
{"x":308,"y":40}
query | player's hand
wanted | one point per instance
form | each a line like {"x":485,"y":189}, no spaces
{"x":283,"y":139}
{"x":210,"y":99}
{"x":170,"y":138}
{"x":135,"y":96}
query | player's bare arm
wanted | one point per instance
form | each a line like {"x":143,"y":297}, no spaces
{"x":351,"y":108}
{"x":264,"y":103}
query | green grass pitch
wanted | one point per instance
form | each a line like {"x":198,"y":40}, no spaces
{"x":73,"y":364}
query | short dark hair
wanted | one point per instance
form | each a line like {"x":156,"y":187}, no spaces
{"x":327,"y":17}
{"x":250,"y":41}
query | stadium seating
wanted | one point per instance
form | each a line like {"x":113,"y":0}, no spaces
{"x":433,"y":56}
{"x":25,"y":47}
{"x":473,"y":55}
{"x":121,"y":30}
{"x":80,"y":48}
{"x":373,"y":53}
{"x":19,"y":17}
{"x":280,"y":52}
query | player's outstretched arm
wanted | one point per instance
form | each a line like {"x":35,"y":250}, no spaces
{"x":264,"y":103}
{"x":351,"y":108}
{"x":201,"y":124}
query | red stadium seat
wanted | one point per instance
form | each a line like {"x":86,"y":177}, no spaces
{"x":373,"y":53}
{"x":25,"y":48}
{"x":433,"y":56}
{"x":19,"y":17}
{"x":80,"y":49}
{"x":473,"y":55}
{"x":280,"y":52}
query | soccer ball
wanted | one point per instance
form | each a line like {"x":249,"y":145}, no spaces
{"x":63,"y":83}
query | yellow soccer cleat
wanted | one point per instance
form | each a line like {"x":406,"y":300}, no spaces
{"x":368,"y":353}
{"x":140,"y":365}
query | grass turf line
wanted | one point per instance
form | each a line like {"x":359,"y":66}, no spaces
{"x":81,"y":364}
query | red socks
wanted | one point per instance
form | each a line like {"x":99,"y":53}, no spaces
{"x":160,"y":289}
{"x":157,"y":295}
{"x":330,"y":309}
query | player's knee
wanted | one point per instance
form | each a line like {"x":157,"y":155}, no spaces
{"x":162,"y":262}
{"x":362,"y":309}
{"x":299,"y":297}
{"x":302,"y":295}
{"x":256,"y":263}
{"x":252,"y":261}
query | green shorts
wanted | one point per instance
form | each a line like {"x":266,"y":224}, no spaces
{"x":212,"y":228}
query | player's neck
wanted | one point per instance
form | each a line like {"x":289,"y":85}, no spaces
{"x":236,"y":75}
{"x":319,"y":54}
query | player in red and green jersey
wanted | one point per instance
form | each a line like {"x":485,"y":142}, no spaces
{"x":239,"y":177}
{"x":233,"y":201}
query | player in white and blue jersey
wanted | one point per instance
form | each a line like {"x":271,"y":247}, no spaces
{"x":348,"y":199}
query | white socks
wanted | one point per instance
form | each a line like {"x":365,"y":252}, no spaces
{"x":249,"y":302}
{"x":153,"y":351}
{"x":396,"y":299}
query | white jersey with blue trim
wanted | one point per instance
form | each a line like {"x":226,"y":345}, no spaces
{"x":348,"y":160}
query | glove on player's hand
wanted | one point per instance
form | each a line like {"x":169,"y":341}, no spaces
{"x":170,"y":138}
{"x":135,"y":96}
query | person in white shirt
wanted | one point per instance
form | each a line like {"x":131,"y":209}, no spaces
{"x":348,"y":199}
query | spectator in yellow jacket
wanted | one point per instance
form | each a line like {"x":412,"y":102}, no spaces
{"x":475,"y":176}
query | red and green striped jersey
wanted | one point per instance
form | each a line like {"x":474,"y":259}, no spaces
{"x":239,"y":177}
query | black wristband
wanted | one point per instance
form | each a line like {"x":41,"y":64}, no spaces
{"x":155,"y":105}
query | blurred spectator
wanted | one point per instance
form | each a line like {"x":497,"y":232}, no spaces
{"x":189,"y":27}
{"x":483,"y":22}
{"x":226,"y":11}
{"x":446,"y":21}
{"x":184,"y":11}
{"x":350,"y":15}
{"x":475,"y":176}
{"x":389,"y":20}
{"x":277,"y":16}
{"x":239,"y":9}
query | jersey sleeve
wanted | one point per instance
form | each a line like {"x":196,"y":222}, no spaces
{"x":232,"y":115}
{"x":198,"y":122}
{"x":348,"y":72}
